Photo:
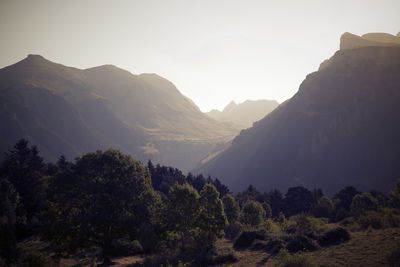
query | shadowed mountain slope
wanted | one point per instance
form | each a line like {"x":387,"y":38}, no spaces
{"x":70,"y":111}
{"x":341,"y":128}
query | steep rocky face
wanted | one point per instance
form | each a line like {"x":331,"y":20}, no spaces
{"x":341,"y":128}
{"x":70,"y":111}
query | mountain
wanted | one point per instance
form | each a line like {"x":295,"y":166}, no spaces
{"x":341,"y":128}
{"x":244,"y":114}
{"x":71,"y":111}
{"x":351,"y":41}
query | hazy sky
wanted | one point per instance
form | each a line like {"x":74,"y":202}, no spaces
{"x":214,"y":51}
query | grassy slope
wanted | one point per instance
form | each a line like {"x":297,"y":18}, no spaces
{"x":366,"y":248}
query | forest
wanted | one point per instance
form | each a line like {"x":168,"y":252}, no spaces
{"x":107,"y":204}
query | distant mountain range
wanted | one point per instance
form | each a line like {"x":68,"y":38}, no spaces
{"x":341,"y":128}
{"x":244,"y":114}
{"x":70,"y":111}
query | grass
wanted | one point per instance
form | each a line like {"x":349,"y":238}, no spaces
{"x":365,"y":248}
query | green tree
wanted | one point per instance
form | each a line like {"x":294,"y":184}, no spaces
{"x":212,"y":216}
{"x":395,"y":196}
{"x":11,"y":214}
{"x":323,"y":208}
{"x":342,"y":201}
{"x":104,"y":196}
{"x":231,"y":208}
{"x":362,"y":203}
{"x":267,"y":209}
{"x":297,"y":200}
{"x":25,"y":170}
{"x":252,"y":213}
{"x":183,"y":211}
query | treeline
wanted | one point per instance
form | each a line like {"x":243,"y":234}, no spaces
{"x":110,"y":201}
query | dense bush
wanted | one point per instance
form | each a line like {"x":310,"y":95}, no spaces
{"x":333,"y":237}
{"x":246,"y":238}
{"x":370,"y":219}
{"x":300,"y":243}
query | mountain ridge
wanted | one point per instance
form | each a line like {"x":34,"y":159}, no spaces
{"x":245,"y":113}
{"x":340,"y":128}
{"x":143,"y":115}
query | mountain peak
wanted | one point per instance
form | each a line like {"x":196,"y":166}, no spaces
{"x":34,"y":56}
{"x":351,"y":41}
{"x":231,"y":106}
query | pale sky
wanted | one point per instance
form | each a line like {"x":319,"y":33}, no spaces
{"x":214,"y":51}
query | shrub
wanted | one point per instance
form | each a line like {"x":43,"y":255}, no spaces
{"x":301,"y":243}
{"x":307,"y":225}
{"x":296,"y":260}
{"x":246,"y":238}
{"x":362,"y":203}
{"x":370,"y":218}
{"x":333,"y":237}
{"x":271,"y":227}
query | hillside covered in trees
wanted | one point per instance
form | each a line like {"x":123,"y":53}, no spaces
{"x":106,"y":204}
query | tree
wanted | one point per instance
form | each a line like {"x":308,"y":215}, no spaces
{"x":231,"y":208}
{"x":25,"y":170}
{"x":252,"y":213}
{"x":342,"y":201}
{"x":297,"y":200}
{"x":323,"y":208}
{"x":267,"y":209}
{"x":183,"y":211}
{"x":11,"y":214}
{"x":395,"y":196}
{"x":275,"y":200}
{"x":362,"y":203}
{"x":212,"y":216}
{"x":104,"y":196}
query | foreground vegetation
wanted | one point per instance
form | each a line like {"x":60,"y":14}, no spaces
{"x":106,"y":204}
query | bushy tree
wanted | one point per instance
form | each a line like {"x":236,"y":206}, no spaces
{"x":212,"y":218}
{"x":252,"y":213}
{"x":11,"y":215}
{"x":25,"y":169}
{"x":267,"y":209}
{"x":275,"y":200}
{"x":183,"y":211}
{"x":395,"y":196}
{"x":297,"y":200}
{"x":342,"y":201}
{"x":362,"y":203}
{"x":323,"y":208}
{"x":231,"y":208}
{"x":102,"y":197}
